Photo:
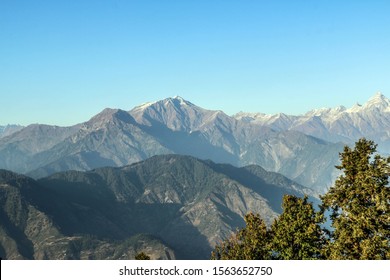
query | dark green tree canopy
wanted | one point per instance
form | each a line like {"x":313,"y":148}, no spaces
{"x":142,"y":256}
{"x":297,"y":234}
{"x":359,"y":205}
{"x":359,"y":208}
{"x":249,"y":243}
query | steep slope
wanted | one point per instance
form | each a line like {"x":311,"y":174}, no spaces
{"x":188,"y":203}
{"x":31,"y":224}
{"x":16,"y":213}
{"x":111,"y":138}
{"x":174,"y":113}
{"x":307,"y":160}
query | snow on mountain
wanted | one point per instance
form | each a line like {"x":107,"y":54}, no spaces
{"x":370,"y":120}
{"x":279,"y":143}
{"x":378,"y":101}
{"x":175,"y":113}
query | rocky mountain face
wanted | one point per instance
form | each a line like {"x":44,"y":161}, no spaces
{"x":168,"y":206}
{"x":111,"y":138}
{"x":31,"y":221}
{"x":308,"y":160}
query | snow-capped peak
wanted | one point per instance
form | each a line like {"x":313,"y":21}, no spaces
{"x":355,"y":108}
{"x":171,"y":102}
{"x":378,"y":101}
{"x":181,"y":99}
{"x":378,"y":97}
{"x":326,"y":112}
{"x":145,"y":105}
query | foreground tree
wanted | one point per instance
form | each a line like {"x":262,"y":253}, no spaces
{"x":297,"y":234}
{"x":142,"y":256}
{"x":359,"y":208}
{"x":359,"y":205}
{"x":249,"y":243}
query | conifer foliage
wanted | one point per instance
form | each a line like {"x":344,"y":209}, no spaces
{"x":296,"y":234}
{"x":142,"y":256}
{"x":249,"y":243}
{"x":358,"y":206}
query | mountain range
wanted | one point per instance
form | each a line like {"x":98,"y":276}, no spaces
{"x":370,"y":120}
{"x":304,"y":148}
{"x":168,"y":177}
{"x":169,"y":206}
{"x":115,"y":138}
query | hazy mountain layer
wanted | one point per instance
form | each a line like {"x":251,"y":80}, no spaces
{"x":18,"y":150}
{"x":9,"y":129}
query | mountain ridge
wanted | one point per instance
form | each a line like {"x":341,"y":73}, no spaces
{"x":187,"y":203}
{"x":8,"y":129}
{"x":116,"y":137}
{"x":370,"y":120}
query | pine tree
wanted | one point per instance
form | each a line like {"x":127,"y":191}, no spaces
{"x":359,"y":205}
{"x":249,"y":243}
{"x":297,"y":234}
{"x":142,"y":256}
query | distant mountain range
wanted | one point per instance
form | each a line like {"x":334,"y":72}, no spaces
{"x":370,"y":120}
{"x":9,"y":129}
{"x":169,"y":206}
{"x":303,"y":148}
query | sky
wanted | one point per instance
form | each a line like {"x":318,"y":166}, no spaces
{"x":61,"y":62}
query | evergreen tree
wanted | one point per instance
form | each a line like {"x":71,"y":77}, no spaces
{"x":249,"y":243}
{"x":296,"y":232}
{"x":359,"y":205}
{"x":142,"y":256}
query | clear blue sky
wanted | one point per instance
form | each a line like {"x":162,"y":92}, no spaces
{"x":62,"y":61}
